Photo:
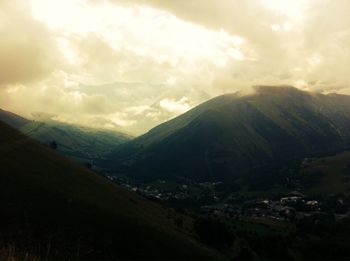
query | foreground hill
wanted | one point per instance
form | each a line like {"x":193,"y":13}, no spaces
{"x":80,"y":143}
{"x":229,"y":135}
{"x":54,"y":209}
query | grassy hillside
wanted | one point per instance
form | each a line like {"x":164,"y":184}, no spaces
{"x":80,"y":143}
{"x":327,"y":175}
{"x":77,"y":142}
{"x":55,"y":209}
{"x":230,"y":135}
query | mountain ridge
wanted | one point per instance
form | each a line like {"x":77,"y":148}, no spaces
{"x":78,"y":142}
{"x":233,"y":133}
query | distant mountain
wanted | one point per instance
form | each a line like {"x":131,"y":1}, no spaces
{"x":80,"y":143}
{"x":230,"y":135}
{"x":77,"y":142}
{"x":55,"y":209}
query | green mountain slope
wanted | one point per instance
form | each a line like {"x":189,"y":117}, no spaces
{"x":326,"y":175}
{"x":228,"y":135}
{"x":55,"y":209}
{"x":80,"y":143}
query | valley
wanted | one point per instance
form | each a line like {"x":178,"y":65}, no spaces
{"x":174,"y":130}
{"x":180,"y":183}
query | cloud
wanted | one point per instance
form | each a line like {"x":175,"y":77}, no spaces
{"x":27,"y":49}
{"x":311,"y":44}
{"x":43,"y":116}
{"x":174,"y":106}
{"x":132,"y":64}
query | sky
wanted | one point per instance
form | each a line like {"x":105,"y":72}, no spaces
{"x":130,"y":65}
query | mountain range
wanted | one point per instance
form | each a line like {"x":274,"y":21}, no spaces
{"x":275,"y":142}
{"x":80,"y":143}
{"x":232,"y":138}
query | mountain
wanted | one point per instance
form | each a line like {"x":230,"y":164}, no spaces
{"x":77,"y":142}
{"x":55,"y":209}
{"x":81,"y":143}
{"x":12,"y":119}
{"x":231,"y":134}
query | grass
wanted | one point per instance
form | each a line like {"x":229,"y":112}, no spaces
{"x":332,"y":174}
{"x":47,"y":199}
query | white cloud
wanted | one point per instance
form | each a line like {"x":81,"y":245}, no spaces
{"x":137,"y":110}
{"x":171,"y":105}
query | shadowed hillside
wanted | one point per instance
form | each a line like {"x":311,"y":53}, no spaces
{"x":57,"y":210}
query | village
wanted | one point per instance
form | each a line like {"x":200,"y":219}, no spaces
{"x":169,"y":191}
{"x":204,"y":198}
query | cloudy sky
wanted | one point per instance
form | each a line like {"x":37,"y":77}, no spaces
{"x":132,"y":64}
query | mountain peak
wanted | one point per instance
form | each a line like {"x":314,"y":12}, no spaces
{"x":231,"y":134}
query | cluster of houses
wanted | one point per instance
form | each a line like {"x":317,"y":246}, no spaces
{"x":284,"y":208}
{"x":293,"y":206}
{"x":183,"y":191}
